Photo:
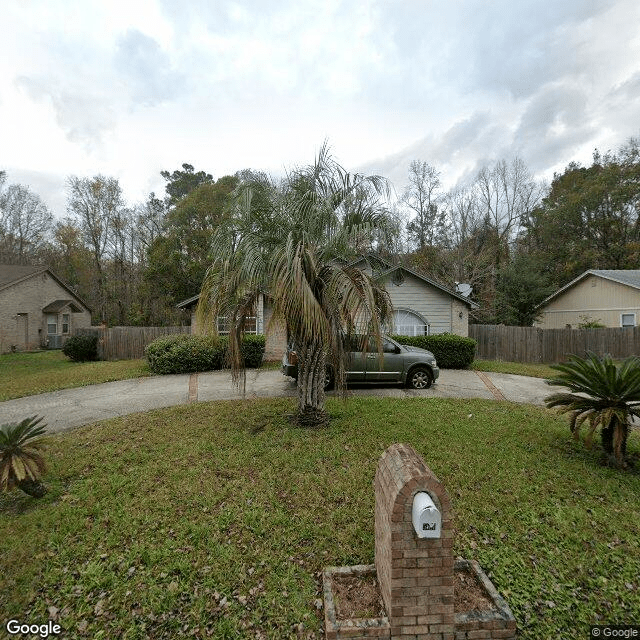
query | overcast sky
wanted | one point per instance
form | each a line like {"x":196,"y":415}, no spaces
{"x":129,"y":88}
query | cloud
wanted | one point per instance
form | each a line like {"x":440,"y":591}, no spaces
{"x":150,"y":85}
{"x":457,"y":153}
{"x":150,"y":77}
{"x":84,"y":115}
{"x":555,"y":122}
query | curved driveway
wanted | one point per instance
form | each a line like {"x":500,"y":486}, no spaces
{"x":70,"y":408}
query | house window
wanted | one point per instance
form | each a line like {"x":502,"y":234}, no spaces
{"x":628,"y":320}
{"x":250,"y":325}
{"x":65,"y":323}
{"x":409,"y":323}
{"x":52,"y":324}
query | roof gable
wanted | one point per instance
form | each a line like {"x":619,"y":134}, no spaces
{"x":380,"y":268}
{"x":628,"y":277}
{"x":433,"y":283}
{"x":12,"y":274}
{"x":58,"y":305}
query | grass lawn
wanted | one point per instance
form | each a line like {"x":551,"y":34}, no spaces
{"x":25,"y":374}
{"x":216,"y":519}
{"x":518,"y":368}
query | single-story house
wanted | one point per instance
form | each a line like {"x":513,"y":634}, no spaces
{"x":608,"y":296}
{"x":421,"y":306}
{"x":37,"y":309}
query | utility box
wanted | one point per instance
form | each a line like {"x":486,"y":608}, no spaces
{"x":427,"y":519}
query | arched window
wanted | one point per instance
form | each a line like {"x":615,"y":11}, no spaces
{"x":409,"y":323}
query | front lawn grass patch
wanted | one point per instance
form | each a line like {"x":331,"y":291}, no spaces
{"x":25,"y":374}
{"x":518,"y":368}
{"x":216,"y":519}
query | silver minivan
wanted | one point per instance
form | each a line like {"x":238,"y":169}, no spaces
{"x":401,"y":364}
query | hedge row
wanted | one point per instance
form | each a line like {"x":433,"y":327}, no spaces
{"x":183,"y":353}
{"x":451,"y":351}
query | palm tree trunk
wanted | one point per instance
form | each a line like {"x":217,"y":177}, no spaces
{"x":614,"y":441}
{"x":620,"y":435}
{"x":606,"y":436}
{"x":311,"y":379}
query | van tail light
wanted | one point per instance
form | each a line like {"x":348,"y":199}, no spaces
{"x":293,"y":357}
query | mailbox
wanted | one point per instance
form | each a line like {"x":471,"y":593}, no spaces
{"x":427,"y":520}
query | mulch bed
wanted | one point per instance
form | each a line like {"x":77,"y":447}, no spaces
{"x":359,"y":596}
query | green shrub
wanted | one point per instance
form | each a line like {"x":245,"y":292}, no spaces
{"x":184,"y":353}
{"x":253,"y":350}
{"x":451,"y":351}
{"x":81,"y":348}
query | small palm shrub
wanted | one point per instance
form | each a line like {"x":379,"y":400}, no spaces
{"x":604,"y":395}
{"x":451,"y":351}
{"x":81,"y":348}
{"x":21,"y":462}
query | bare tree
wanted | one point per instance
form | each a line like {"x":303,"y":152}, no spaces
{"x":484,"y":220}
{"x":25,"y":222}
{"x":95,"y":203}
{"x":469,"y":257}
{"x":506,"y":196}
{"x":150,"y":217}
{"x":422,"y":197}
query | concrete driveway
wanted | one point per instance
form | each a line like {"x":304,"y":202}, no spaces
{"x":74,"y":407}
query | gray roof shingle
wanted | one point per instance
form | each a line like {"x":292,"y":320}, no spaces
{"x":624,"y":276}
{"x":13,"y":272}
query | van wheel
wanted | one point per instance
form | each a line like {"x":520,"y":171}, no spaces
{"x":420,"y":378}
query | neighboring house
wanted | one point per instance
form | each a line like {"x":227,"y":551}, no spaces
{"x":608,"y":296}
{"x":421,"y":306}
{"x":37,"y":309}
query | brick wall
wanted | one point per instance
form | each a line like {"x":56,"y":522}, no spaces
{"x":275,"y":334}
{"x":415,"y":574}
{"x":28,"y":298}
{"x":459,"y":326}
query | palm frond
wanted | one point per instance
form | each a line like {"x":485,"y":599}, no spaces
{"x":604,"y":393}
{"x":20,"y":452}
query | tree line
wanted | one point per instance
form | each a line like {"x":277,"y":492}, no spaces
{"x":513,"y":239}
{"x":516,"y":240}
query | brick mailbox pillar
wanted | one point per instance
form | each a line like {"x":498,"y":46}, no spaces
{"x":415,"y":574}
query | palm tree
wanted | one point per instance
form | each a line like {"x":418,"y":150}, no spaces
{"x":21,"y":462}
{"x":605,"y":395}
{"x":316,"y":218}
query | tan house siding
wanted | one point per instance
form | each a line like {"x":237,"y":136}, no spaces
{"x":23,"y":325}
{"x":594,"y":298}
{"x":441,"y":310}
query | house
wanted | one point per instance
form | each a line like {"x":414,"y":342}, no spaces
{"x":37,"y":309}
{"x":421,"y":306}
{"x":608,"y":296}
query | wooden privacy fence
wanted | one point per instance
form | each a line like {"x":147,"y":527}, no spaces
{"x":531,"y":344}
{"x":127,"y":343}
